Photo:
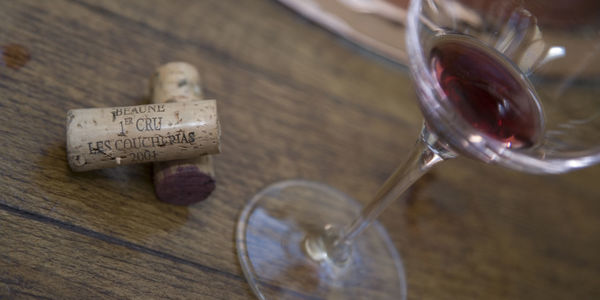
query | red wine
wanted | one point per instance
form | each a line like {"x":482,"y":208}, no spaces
{"x":487,"y":90}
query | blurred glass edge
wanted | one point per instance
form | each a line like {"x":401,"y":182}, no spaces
{"x":375,"y":25}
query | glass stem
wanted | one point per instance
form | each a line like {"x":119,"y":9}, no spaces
{"x":336,"y":242}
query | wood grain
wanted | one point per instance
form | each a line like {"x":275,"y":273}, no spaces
{"x":35,"y":264}
{"x":294,"y":102}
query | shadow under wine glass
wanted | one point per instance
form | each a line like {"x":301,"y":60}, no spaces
{"x":496,"y":82}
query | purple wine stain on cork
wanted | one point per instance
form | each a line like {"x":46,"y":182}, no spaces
{"x":15,"y":56}
{"x":186,"y":186}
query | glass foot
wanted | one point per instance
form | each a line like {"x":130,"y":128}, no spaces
{"x":274,"y":250}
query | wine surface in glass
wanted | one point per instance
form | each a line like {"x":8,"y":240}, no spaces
{"x":487,"y":90}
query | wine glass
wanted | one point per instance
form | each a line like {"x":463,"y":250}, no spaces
{"x":514,"y":83}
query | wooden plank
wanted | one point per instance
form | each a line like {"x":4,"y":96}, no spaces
{"x":267,"y":38}
{"x":45,"y":259}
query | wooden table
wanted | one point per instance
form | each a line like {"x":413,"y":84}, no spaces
{"x":295,"y":102}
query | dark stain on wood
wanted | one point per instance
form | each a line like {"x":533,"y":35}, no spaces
{"x":15,"y":56}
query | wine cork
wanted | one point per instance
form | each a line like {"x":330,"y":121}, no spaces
{"x":108,"y":137}
{"x":188,"y":181}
